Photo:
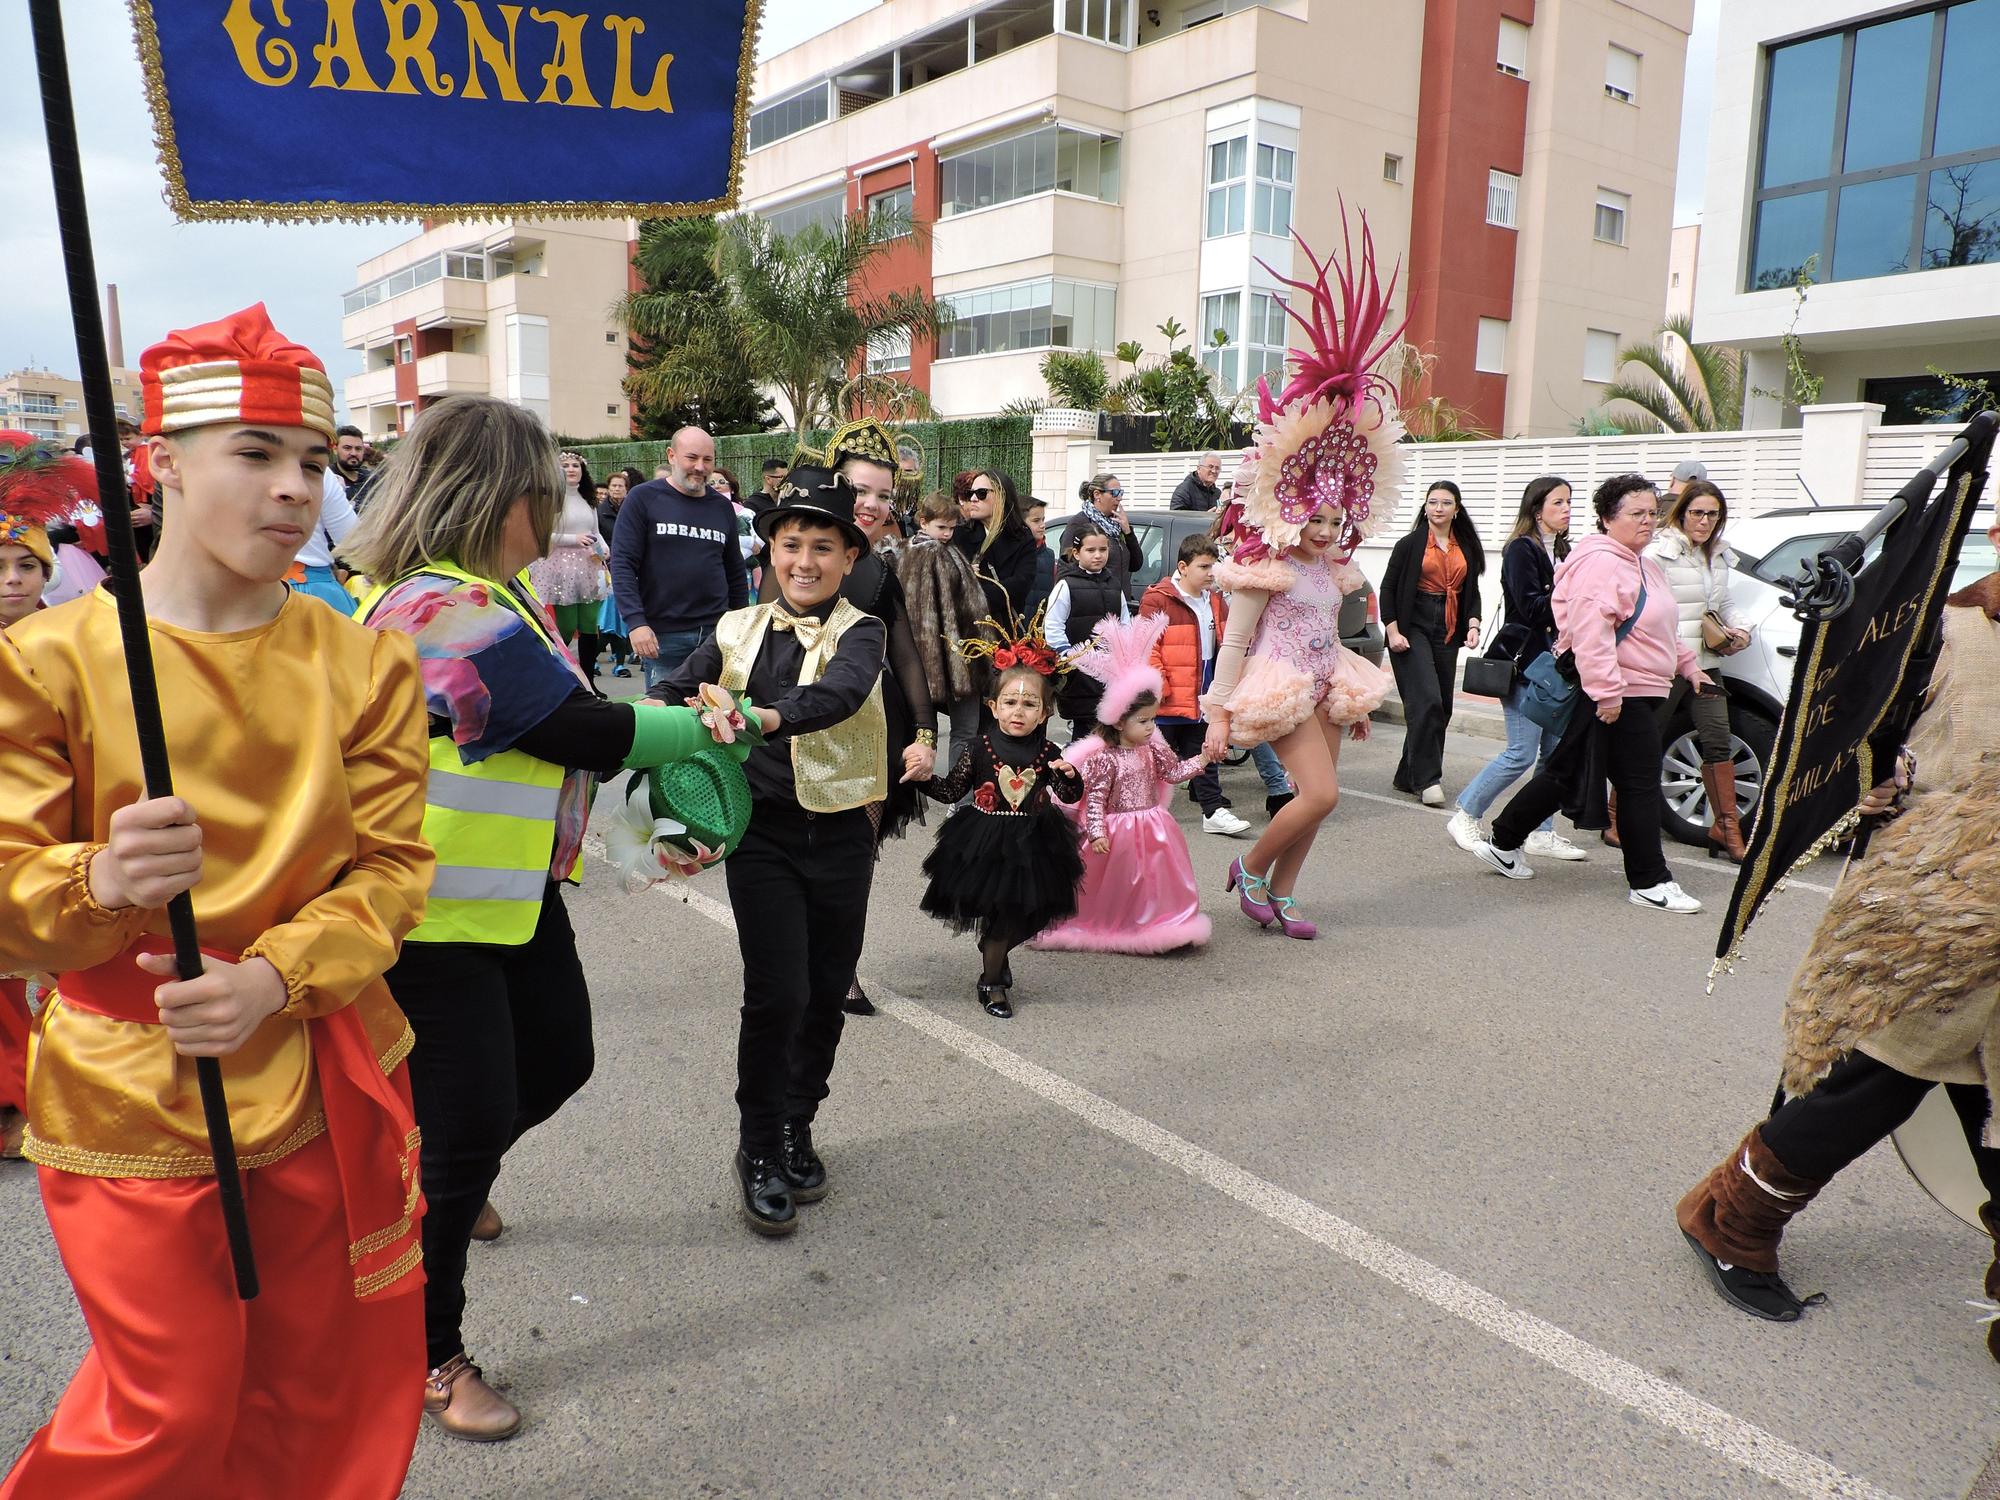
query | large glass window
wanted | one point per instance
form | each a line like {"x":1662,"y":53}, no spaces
{"x":824,"y":213}
{"x":1220,"y":312}
{"x":1962,"y":219}
{"x":898,"y":203}
{"x":1100,"y":20}
{"x":1264,"y":340}
{"x":1273,"y":209}
{"x":1040,"y":314}
{"x":1228,"y":165}
{"x":1851,"y":125}
{"x":788,"y":116}
{"x":1052,"y":159}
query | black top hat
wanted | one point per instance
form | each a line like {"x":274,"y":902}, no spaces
{"x":820,"y":494}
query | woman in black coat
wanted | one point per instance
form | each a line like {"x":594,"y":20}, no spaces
{"x":1430,"y":608}
{"x":994,"y":535}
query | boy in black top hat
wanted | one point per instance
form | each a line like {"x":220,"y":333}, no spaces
{"x":811,"y":663}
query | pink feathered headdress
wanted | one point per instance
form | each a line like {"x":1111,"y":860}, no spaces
{"x":1121,"y":657}
{"x":1330,"y":437}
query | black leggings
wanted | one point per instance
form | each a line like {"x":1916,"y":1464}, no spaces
{"x":1426,"y":678}
{"x":1856,"y":1105}
{"x":1631,"y":754}
{"x":503,"y":1039}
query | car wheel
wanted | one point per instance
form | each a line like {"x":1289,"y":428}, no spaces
{"x":1687,"y":815}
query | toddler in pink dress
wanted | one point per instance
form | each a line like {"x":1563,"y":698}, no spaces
{"x":1138,"y":892}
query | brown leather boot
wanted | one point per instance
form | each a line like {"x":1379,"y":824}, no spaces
{"x":1725,"y":834}
{"x":459,"y":1400}
{"x":488,"y":1226}
{"x":1733,"y":1219}
{"x":1990,"y":1217}
{"x":13,"y":1128}
{"x":1610,"y":833}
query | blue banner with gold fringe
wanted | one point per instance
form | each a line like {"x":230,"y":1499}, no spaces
{"x":447,"y":109}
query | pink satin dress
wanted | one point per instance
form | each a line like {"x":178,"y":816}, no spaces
{"x":1141,"y":896}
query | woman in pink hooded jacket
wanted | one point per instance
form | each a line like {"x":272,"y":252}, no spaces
{"x":1615,"y":612}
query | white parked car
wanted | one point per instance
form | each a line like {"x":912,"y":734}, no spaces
{"x":1769,"y":549}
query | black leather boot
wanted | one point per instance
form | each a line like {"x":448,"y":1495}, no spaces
{"x":803,"y":1169}
{"x":768,"y":1206}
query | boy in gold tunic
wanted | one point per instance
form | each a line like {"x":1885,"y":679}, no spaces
{"x":298,"y":740}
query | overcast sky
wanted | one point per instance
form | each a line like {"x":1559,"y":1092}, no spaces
{"x":171,"y":275}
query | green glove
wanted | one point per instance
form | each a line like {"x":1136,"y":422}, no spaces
{"x":661,"y":735}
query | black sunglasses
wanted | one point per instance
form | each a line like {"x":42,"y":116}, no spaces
{"x":978,"y":494}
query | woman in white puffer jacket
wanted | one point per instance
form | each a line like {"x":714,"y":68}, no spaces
{"x":1697,"y":563}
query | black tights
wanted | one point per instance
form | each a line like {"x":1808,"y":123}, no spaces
{"x":996,"y":941}
{"x":874,"y":811}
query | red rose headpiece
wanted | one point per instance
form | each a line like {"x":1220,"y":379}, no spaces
{"x":238,"y":369}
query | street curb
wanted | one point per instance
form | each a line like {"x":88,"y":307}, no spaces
{"x":1469,"y":715}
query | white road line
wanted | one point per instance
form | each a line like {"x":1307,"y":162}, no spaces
{"x":1703,"y":866}
{"x":1638,"y":1390}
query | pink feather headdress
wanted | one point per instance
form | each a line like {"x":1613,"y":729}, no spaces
{"x":1329,"y":438}
{"x":1121,"y":657}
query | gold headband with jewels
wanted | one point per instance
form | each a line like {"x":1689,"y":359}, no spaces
{"x":867,"y":439}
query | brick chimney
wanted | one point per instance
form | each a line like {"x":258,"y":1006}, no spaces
{"x":114,"y":335}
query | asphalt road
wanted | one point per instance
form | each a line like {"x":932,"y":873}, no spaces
{"x":1385,"y":1214}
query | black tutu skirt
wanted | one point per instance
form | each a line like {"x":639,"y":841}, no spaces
{"x":1019,"y":872}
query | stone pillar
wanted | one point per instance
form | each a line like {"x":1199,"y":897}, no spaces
{"x":1833,"y":455}
{"x":1067,"y":452}
{"x":1763,"y":384}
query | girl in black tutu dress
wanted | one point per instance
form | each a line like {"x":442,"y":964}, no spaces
{"x":1007,"y":861}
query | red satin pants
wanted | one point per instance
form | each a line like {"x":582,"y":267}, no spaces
{"x":14,"y":1025}
{"x":188,"y":1393}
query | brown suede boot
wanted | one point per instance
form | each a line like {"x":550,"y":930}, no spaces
{"x":1734,"y":1217}
{"x":1990,"y":1217}
{"x":458,"y":1399}
{"x":1725,"y":834}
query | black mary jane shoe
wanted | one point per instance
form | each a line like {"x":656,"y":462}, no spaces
{"x":1762,"y":1294}
{"x":768,"y":1206}
{"x":993,"y":1000}
{"x":802,"y":1168}
{"x":858,"y":1003}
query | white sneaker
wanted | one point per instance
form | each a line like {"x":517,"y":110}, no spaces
{"x":1465,"y":830}
{"x":1666,"y":896}
{"x":1224,"y":822}
{"x":1552,"y":845}
{"x":1507,"y":862}
{"x":1433,"y":795}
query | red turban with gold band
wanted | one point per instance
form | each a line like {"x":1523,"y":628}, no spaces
{"x":238,"y":369}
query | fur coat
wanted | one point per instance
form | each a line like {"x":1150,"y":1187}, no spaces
{"x":1906,"y":963}
{"x":946,"y":604}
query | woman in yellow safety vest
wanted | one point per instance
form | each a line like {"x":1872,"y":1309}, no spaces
{"x":490,"y":979}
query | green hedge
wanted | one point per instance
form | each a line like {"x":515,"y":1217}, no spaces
{"x":975,"y":443}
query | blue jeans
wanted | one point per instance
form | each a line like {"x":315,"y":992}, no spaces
{"x":1276,"y":782}
{"x":676,"y":646}
{"x":1528,"y":745}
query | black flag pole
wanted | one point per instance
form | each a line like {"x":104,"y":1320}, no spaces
{"x":80,"y":268}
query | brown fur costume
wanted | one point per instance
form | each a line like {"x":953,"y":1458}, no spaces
{"x":1912,"y":927}
{"x":945,"y":604}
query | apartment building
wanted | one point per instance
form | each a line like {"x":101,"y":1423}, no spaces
{"x":1857,"y":145}
{"x":51,"y":406}
{"x":1092,"y":168}
{"x":521,"y":309}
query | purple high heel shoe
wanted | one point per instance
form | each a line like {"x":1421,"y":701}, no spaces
{"x":1291,"y":926}
{"x":1255,"y":900}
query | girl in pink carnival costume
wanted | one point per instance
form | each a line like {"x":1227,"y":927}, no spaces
{"x":1138,"y":892}
{"x":1322,"y":479}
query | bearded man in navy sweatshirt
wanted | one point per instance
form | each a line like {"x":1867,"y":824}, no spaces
{"x":675,"y":564}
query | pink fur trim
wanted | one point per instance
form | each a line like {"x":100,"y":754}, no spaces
{"x":1162,"y":937}
{"x":1119,"y":692}
{"x":1273,"y":575}
{"x":1080,"y":753}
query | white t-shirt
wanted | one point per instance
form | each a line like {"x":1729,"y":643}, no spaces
{"x":336,"y":519}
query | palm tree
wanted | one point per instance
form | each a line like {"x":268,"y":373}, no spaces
{"x":682,"y":368}
{"x":1695,"y":388}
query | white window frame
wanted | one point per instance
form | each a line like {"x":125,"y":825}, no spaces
{"x":1392,"y":168}
{"x":1231,"y":190}
{"x":1511,"y":56}
{"x":1488,"y":359}
{"x":1594,"y":341}
{"x":1614,"y":230}
{"x":1223,"y":311}
{"x":1621,"y":74}
{"x":1503,"y":198}
{"x":889,"y":354}
{"x":1264,"y":338}
{"x":1271,"y":208}
{"x":876,"y":201}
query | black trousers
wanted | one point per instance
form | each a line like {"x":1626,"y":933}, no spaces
{"x":503,"y":1039}
{"x":1855,"y":1106}
{"x":1426,"y":676}
{"x":1630,"y":750}
{"x":1185,"y":740}
{"x":798,"y":883}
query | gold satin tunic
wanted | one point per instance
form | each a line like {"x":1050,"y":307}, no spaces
{"x":302,"y":747}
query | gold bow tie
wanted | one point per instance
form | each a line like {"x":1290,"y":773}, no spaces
{"x":805,"y":627}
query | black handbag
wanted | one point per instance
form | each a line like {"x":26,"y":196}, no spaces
{"x":1489,"y":676}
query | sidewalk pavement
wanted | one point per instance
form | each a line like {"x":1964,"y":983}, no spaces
{"x":1469,"y":715}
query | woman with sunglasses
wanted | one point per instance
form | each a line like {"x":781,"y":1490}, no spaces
{"x":993,"y":534}
{"x":1103,"y":498}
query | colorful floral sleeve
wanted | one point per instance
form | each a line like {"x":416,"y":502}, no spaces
{"x":486,"y":671}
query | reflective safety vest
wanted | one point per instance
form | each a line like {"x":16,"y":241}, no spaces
{"x":491,"y":822}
